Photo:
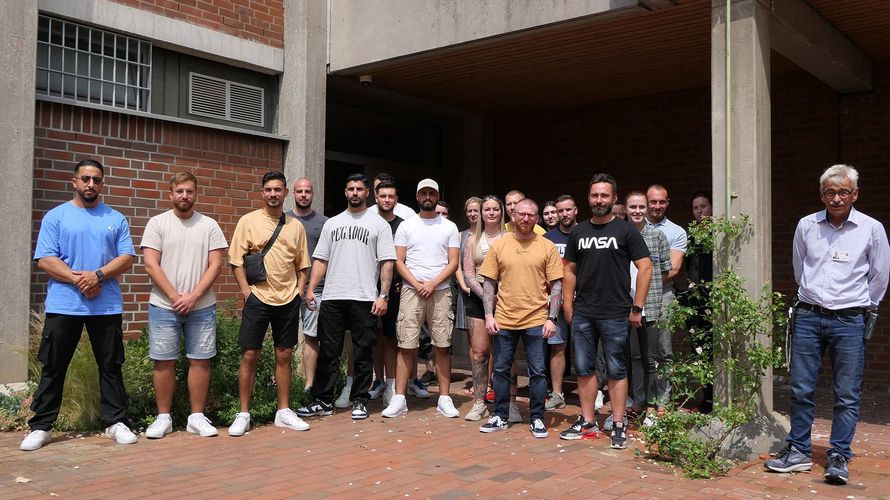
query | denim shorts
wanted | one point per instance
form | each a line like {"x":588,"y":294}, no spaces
{"x":165,"y":327}
{"x":310,"y":317}
{"x":563,"y":330}
{"x":613,"y":334}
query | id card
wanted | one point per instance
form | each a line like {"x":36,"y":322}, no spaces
{"x":840,"y":256}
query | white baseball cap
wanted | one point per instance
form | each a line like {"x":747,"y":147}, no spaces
{"x":428,"y":183}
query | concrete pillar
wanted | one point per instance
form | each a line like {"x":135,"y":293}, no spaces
{"x":18,"y":24}
{"x":747,"y":175}
{"x":301,"y":103}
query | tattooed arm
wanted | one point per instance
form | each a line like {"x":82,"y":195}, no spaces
{"x":488,"y":303}
{"x":469,"y":267}
{"x":553,"y":308}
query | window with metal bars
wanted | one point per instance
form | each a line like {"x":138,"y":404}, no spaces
{"x":87,"y":64}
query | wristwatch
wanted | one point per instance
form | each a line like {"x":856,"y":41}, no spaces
{"x":635,"y":308}
{"x":553,"y":319}
{"x":99,"y":274}
{"x":384,"y":296}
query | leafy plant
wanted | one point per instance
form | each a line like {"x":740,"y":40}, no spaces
{"x":735,"y":351}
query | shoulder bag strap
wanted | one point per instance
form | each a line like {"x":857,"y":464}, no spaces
{"x":274,"y":236}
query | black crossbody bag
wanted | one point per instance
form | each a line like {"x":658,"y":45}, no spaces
{"x":254,"y":267}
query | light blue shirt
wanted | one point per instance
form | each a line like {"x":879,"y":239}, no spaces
{"x":85,"y":239}
{"x":844,"y":267}
{"x":675,"y":234}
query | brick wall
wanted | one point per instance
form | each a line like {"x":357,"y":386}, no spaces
{"x":666,"y":139}
{"x":140,"y":155}
{"x":258,"y":20}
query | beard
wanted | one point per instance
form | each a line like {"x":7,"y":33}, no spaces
{"x":601,"y":211}
{"x":355,"y":201}
{"x":87,"y":198}
{"x":184,"y":206}
{"x":427,"y":205}
{"x":303,"y":204}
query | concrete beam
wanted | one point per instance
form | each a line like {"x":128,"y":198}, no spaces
{"x":364,"y":33}
{"x":171,"y":33}
{"x":801,"y":34}
{"x":742,"y":180}
{"x":18,"y":54}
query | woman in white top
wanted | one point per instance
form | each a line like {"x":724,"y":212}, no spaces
{"x":489,"y":229}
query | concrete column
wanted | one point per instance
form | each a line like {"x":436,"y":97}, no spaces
{"x":301,"y":103}
{"x":18,"y":24}
{"x":747,"y":174}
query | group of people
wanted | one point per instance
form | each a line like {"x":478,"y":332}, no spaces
{"x":392,"y":277}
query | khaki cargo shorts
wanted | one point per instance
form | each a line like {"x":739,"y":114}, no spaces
{"x":414,"y":311}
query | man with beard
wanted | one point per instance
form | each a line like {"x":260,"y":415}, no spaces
{"x":275,"y":300}
{"x":183,"y":253}
{"x":312,"y":222}
{"x":598,"y":256}
{"x":427,"y":248}
{"x":355,"y":249}
{"x":566,"y":213}
{"x":83,"y":246}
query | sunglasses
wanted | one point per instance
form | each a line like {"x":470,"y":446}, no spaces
{"x":95,"y":178}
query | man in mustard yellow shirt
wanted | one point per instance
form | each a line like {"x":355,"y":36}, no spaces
{"x":527,"y":271}
{"x":275,"y":300}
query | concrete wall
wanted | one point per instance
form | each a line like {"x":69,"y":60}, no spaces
{"x":365,"y":32}
{"x":666,"y":139}
{"x":18,"y":49}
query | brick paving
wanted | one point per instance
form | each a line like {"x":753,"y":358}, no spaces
{"x":421,"y":455}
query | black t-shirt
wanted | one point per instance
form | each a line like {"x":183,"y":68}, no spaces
{"x":396,"y":277}
{"x":602,"y":254}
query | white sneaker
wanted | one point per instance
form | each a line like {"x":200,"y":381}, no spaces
{"x":446,"y":407}
{"x":599,"y":401}
{"x":478,"y":412}
{"x":388,"y":392}
{"x":240,"y":425}
{"x":397,"y":407}
{"x":162,"y":426}
{"x":35,"y":440}
{"x":514,"y":417}
{"x":287,"y":418}
{"x":120,"y":433}
{"x":200,"y":425}
{"x":343,"y":400}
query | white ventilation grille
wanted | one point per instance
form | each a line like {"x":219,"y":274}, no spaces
{"x":226,"y":100}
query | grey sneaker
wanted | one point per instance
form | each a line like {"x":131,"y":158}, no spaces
{"x":580,"y":429}
{"x":619,"y":437}
{"x":555,"y":402}
{"x":514,"y":416}
{"x":478,"y":412}
{"x":836,"y":471}
{"x":791,"y":460}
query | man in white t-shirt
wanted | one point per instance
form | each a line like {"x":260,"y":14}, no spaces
{"x":427,"y":248}
{"x":183,"y":254}
{"x":353,"y":248}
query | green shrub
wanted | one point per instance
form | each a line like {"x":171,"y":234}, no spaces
{"x":222,"y":399}
{"x":15,"y":409}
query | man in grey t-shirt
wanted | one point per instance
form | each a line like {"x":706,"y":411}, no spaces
{"x":312,"y":223}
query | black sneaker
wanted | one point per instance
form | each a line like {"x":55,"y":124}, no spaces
{"x":580,"y":429}
{"x":316,"y":408}
{"x":494,"y":424}
{"x":428,"y":378}
{"x":359,"y":411}
{"x":836,"y":469}
{"x":539,"y":430}
{"x":619,"y":437}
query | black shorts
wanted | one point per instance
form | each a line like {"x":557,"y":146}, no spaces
{"x":255,"y":320}
{"x":389,"y":321}
{"x":474,"y":306}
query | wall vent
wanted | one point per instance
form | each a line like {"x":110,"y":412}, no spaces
{"x":226,"y":100}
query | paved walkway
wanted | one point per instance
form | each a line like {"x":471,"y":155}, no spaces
{"x":418,"y":456}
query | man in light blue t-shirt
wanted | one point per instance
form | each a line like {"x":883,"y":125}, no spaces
{"x":83,"y":246}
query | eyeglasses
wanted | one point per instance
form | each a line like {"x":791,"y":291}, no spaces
{"x":829,"y":194}
{"x":95,"y":178}
{"x":520,"y":215}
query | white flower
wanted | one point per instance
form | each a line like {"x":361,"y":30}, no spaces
{"x":698,"y":350}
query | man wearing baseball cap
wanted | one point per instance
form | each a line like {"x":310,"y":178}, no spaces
{"x":427,"y":248}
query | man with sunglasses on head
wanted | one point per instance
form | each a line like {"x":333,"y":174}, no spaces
{"x":842,"y":265}
{"x":83,"y":245}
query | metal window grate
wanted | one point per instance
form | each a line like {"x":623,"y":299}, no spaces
{"x":226,"y":100}
{"x":88,"y":64}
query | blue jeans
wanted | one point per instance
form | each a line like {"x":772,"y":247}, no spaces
{"x":842,"y":336}
{"x":504,"y":348}
{"x":586,"y":332}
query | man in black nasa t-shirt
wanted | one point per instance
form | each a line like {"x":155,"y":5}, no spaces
{"x":598,"y":304}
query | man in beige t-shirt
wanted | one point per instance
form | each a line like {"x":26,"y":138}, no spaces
{"x":526,"y":270}
{"x":275,"y":301}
